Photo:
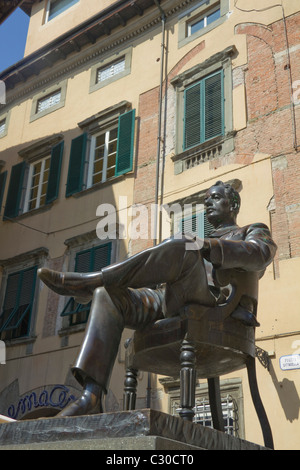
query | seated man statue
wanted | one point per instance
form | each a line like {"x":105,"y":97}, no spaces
{"x":155,"y":284}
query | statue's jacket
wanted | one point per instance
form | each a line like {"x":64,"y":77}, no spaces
{"x":241,"y":255}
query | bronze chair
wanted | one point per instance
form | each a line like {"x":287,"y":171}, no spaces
{"x":203,"y":341}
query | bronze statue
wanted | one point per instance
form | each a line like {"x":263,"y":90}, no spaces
{"x":155,"y":284}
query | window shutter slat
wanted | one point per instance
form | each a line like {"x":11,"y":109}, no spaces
{"x":83,"y":262}
{"x":102,"y":256}
{"x":27,"y":288}
{"x":54,"y":174}
{"x":208,"y":227}
{"x":125,"y":144}
{"x":192,"y":116}
{"x":3,"y":177}
{"x":76,"y":165}
{"x":14,"y":193}
{"x":214,"y":106}
{"x":19,"y":297}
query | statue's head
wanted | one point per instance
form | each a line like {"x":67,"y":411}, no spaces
{"x":222,"y":203}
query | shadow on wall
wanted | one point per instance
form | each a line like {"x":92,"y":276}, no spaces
{"x":288,"y":396}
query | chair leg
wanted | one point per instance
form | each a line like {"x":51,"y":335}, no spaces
{"x":130,"y":387}
{"x":215,"y":403}
{"x":259,"y":407}
{"x":187,"y":380}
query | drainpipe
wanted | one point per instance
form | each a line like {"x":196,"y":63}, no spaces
{"x":159,"y":139}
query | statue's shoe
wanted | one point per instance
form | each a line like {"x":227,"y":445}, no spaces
{"x":87,"y":404}
{"x":78,"y":285}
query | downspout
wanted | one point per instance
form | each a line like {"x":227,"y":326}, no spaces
{"x":163,"y":24}
{"x":159,"y":138}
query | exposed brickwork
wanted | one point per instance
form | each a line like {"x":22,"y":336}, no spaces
{"x":49,"y":327}
{"x":270,"y":127}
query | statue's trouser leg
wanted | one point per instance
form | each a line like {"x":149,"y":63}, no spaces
{"x":116,"y":306}
{"x":111,"y":311}
{"x":182,"y":271}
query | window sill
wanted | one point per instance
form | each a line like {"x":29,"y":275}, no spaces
{"x":207,"y":151}
{"x":30,"y":213}
{"x":99,"y":186}
{"x":20,"y":341}
{"x":70,"y":330}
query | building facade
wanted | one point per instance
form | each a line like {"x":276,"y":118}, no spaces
{"x":114,"y":114}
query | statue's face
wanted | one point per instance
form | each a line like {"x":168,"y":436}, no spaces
{"x":219,"y":209}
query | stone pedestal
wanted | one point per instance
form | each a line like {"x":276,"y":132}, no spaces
{"x":128,"y":430}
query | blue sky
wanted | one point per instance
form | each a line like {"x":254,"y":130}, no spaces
{"x":13,"y":33}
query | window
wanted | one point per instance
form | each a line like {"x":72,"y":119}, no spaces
{"x":196,"y":225}
{"x":56,"y":7}
{"x":48,"y":101}
{"x":231,"y":401}
{"x":111,"y":70}
{"x":204,"y":21}
{"x":4,"y":121}
{"x":36,"y":184}
{"x":204,"y":127}
{"x":18,"y":302}
{"x":203,"y":413}
{"x":89,"y":260}
{"x":204,"y":110}
{"x":2,"y":127}
{"x":201,"y":19}
{"x":103,"y":154}
{"x":100,"y":156}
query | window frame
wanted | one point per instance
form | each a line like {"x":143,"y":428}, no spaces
{"x":194,"y":13}
{"x":222,"y":144}
{"x":62,"y":87}
{"x":125,"y":54}
{"x":120,"y":116}
{"x":228,"y":387}
{"x":29,"y":185}
{"x":20,"y":176}
{"x":5,"y":117}
{"x":203,"y":113}
{"x":47,"y":11}
{"x":92,"y":155}
{"x":204,"y":17}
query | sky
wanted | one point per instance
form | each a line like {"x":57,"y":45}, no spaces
{"x":13,"y":33}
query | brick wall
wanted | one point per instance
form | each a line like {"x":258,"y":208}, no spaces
{"x":272,"y":126}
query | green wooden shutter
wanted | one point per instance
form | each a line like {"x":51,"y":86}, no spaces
{"x":19,"y":300}
{"x":102,"y":256}
{"x":214,"y":105}
{"x":76,"y":165}
{"x":54,"y":174}
{"x":125,"y":144}
{"x":196,"y":225}
{"x":3,"y":177}
{"x":208,"y":227}
{"x":192,"y":116}
{"x":13,"y":200}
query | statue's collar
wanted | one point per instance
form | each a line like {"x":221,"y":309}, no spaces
{"x":219,"y":232}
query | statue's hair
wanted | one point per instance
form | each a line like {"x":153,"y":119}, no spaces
{"x":232,"y":194}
